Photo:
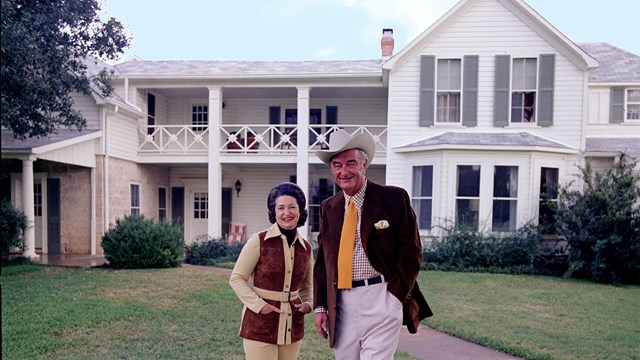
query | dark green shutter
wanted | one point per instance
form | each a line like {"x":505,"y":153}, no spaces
{"x":274,"y":119}
{"x":616,"y":115}
{"x":427,"y":89}
{"x":545,"y":89}
{"x":470,"y":91}
{"x":501,"y":89}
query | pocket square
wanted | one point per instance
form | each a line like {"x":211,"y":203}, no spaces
{"x":382,"y":224}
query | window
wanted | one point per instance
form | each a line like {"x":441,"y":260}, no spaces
{"x":505,"y":198}
{"x":422,"y":195}
{"x":633,"y":104}
{"x":199,"y":116}
{"x":151,"y":113}
{"x":448,"y":93}
{"x":548,"y":195}
{"x":468,"y":195}
{"x":201,"y":205}
{"x":37,"y":199}
{"x":135,"y":199}
{"x":162,"y":204}
{"x":319,"y":189}
{"x":523,"y":90}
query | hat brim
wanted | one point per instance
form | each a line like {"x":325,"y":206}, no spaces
{"x":363,"y":142}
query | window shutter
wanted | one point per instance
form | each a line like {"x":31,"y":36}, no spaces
{"x":332,"y":115}
{"x":274,"y":119}
{"x":545,"y":89}
{"x":470,"y":91}
{"x":427,"y":89}
{"x":501,"y":89}
{"x":616,"y":115}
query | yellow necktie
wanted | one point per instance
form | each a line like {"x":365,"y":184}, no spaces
{"x":347,"y":243}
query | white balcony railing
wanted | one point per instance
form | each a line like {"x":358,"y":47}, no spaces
{"x":247,"y":139}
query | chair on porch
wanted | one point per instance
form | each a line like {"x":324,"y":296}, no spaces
{"x":236,"y":233}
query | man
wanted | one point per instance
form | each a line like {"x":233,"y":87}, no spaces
{"x":369,"y":256}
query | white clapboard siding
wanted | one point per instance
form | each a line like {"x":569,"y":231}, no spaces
{"x":86,"y":105}
{"x":122,"y":136}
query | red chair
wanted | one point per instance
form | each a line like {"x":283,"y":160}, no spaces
{"x":236,"y":233}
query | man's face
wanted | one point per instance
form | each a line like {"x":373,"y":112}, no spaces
{"x":348,"y":169}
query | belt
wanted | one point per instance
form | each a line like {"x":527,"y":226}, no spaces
{"x":282,"y":296}
{"x":366,"y":282}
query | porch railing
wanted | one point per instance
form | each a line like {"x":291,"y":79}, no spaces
{"x":247,"y":139}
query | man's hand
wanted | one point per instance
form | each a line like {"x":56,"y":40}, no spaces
{"x":321,"y":321}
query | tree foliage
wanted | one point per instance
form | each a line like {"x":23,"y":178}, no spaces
{"x":46,"y":46}
{"x":602,"y":224}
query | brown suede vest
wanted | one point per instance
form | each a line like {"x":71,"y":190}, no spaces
{"x":269,"y":275}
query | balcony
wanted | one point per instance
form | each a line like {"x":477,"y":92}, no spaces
{"x":246,"y":139}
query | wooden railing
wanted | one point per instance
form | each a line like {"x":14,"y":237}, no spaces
{"x":247,"y":139}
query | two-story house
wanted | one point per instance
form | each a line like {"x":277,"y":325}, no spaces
{"x":479,"y":118}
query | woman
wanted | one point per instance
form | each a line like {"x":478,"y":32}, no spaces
{"x":273,"y":279}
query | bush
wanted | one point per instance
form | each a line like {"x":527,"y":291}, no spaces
{"x":212,"y":252}
{"x":462,"y":248}
{"x":136,"y":243}
{"x":13,"y":223}
{"x":602,"y":224}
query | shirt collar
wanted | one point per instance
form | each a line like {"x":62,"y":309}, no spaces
{"x":358,"y":198}
{"x":273,"y":232}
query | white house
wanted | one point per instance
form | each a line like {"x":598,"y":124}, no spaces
{"x":478,"y":118}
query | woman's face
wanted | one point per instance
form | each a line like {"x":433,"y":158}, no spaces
{"x":287,"y":212}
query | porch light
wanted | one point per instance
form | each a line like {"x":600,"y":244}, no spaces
{"x":238,"y":186}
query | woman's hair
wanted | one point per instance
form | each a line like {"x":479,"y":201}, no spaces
{"x":291,"y":189}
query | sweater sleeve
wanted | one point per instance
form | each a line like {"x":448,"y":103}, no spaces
{"x":243,"y":272}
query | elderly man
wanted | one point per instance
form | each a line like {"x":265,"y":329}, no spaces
{"x":369,"y":256}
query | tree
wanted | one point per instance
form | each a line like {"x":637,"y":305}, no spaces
{"x":602,"y":224}
{"x":46,"y":45}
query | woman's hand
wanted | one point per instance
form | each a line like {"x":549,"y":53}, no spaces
{"x":303,"y":308}
{"x":268,"y":308}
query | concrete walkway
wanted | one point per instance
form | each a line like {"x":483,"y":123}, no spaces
{"x":427,"y":343}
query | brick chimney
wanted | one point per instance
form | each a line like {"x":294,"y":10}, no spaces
{"x":387,"y":43}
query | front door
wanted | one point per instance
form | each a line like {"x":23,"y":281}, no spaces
{"x":198,"y":206}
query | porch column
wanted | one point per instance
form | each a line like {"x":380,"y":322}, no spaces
{"x":27,"y":207}
{"x":214,"y":183}
{"x":302,"y":170}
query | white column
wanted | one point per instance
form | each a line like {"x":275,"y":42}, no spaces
{"x":214,"y":183}
{"x":302,"y":170}
{"x":27,"y":207}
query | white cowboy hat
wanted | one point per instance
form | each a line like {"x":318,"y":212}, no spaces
{"x":340,"y":141}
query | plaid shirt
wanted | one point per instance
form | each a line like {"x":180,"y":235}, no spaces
{"x":362,"y":268}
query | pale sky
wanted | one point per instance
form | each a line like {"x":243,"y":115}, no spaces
{"x":330,"y":29}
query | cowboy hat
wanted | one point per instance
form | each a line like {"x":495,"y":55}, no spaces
{"x":340,"y":141}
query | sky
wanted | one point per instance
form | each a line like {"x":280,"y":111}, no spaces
{"x":330,"y":29}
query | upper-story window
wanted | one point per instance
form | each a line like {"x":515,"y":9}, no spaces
{"x":523,"y":90}
{"x":449,"y":79}
{"x":199,"y":116}
{"x":633,"y":104}
{"x":151,"y":113}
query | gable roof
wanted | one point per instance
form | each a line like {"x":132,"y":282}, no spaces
{"x":616,"y":65}
{"x":60,"y":139}
{"x":490,"y":141}
{"x":520,"y":9}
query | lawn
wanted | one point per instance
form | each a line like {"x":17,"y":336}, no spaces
{"x":185,"y":313}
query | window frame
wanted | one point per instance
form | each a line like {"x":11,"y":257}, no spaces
{"x":447,"y":110}
{"x":473,"y":199}
{"x":134,"y":199}
{"x":162,"y":210}
{"x":201,"y":198}
{"x":315,"y":198}
{"x":635,"y":104}
{"x":199,"y":116}
{"x":526,"y":92}
{"x":511,"y":199}
{"x":417,"y":199}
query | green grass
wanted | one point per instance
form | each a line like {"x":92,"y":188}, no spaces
{"x":537,"y":317}
{"x":186,"y":313}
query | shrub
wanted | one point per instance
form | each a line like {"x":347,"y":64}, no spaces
{"x":602,"y":224}
{"x":136,"y":242}
{"x":462,"y":248}
{"x":212,"y":252}
{"x":13,"y":223}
